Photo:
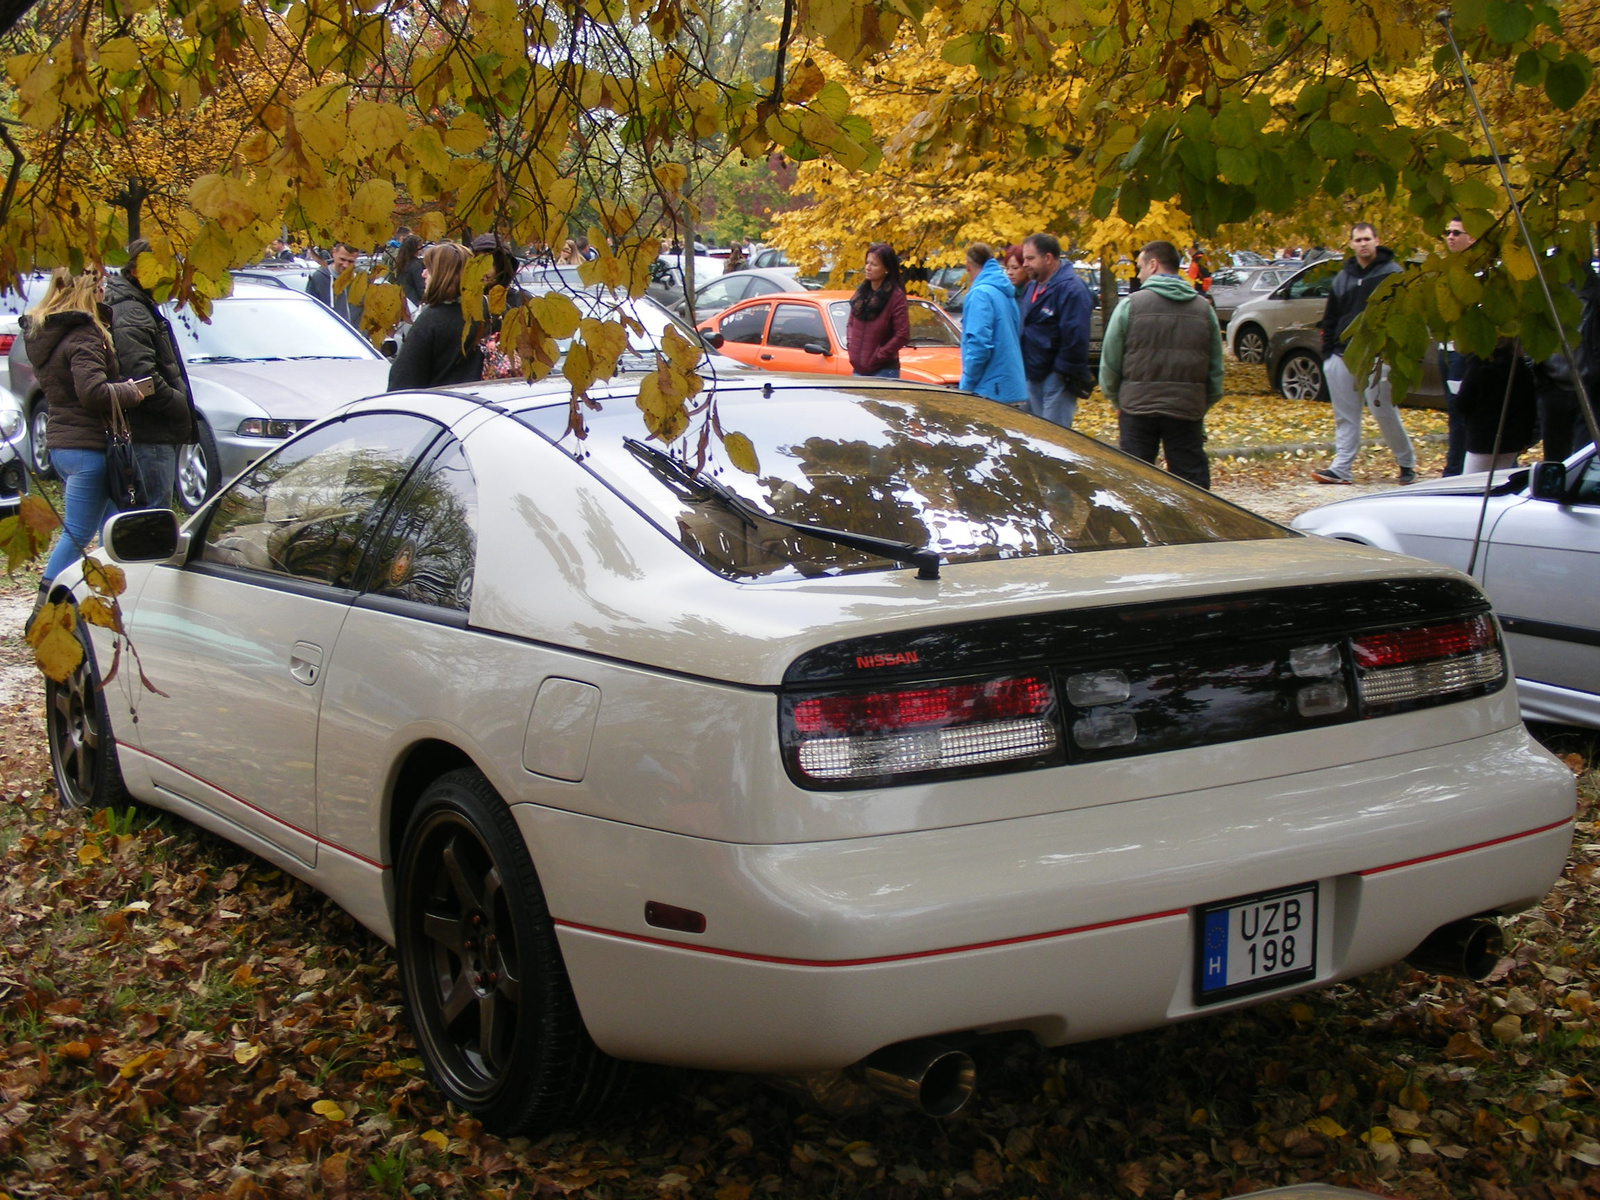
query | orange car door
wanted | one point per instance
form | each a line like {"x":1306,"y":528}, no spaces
{"x":742,"y":329}
{"x":796,"y":326}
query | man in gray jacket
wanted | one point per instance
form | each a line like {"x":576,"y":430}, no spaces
{"x":1161,"y":366}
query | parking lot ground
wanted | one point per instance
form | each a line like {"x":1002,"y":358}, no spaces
{"x":178,"y":1019}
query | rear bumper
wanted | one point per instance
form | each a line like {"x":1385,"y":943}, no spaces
{"x":1073,"y":926}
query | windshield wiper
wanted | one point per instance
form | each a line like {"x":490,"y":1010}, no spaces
{"x":671,"y":471}
{"x":222,"y":358}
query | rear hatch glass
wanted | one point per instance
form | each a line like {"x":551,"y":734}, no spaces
{"x":968,"y":478}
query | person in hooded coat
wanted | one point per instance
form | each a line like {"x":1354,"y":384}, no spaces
{"x":68,"y":340}
{"x":991,"y":345}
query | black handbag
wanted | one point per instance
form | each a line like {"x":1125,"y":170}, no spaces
{"x":124,"y":483}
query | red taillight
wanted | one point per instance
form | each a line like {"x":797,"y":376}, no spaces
{"x":876,"y":712}
{"x":859,"y":737}
{"x":6,"y":341}
{"x":1406,"y":665}
{"x":1416,"y":645}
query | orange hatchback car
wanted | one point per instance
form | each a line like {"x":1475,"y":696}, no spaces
{"x":805,"y":332}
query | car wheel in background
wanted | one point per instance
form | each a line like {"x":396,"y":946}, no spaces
{"x":83,"y":752}
{"x":1250,"y":345}
{"x":490,"y":1004}
{"x":198,"y":469}
{"x":38,"y":439}
{"x":1300,"y":377}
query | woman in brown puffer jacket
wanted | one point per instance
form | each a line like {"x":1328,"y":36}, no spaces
{"x":68,"y":339}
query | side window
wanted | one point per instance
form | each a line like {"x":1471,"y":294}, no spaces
{"x":1315,"y":281}
{"x":308,"y":511}
{"x":929,"y":327}
{"x":721,"y":292}
{"x":839,"y":318}
{"x":746,"y":324}
{"x":1589,"y":482}
{"x":794,"y":325}
{"x":430,"y":551}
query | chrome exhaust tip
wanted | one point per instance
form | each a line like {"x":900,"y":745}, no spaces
{"x":1468,"y":948}
{"x":935,"y":1079}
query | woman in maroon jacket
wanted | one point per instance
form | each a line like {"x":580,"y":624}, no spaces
{"x":879,"y":323}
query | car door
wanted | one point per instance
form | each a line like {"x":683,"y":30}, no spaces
{"x":237,"y":638}
{"x":794,"y":327}
{"x":719,"y":294}
{"x":1542,"y":571}
{"x":742,"y":331}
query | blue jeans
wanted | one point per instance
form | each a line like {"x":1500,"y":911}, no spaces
{"x":886,"y":373}
{"x":83,"y":482}
{"x":1050,"y":399}
{"x":158,"y":467}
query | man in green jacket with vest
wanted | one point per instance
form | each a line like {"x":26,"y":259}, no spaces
{"x":1161,"y":366}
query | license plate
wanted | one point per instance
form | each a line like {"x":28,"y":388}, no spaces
{"x":1256,"y":943}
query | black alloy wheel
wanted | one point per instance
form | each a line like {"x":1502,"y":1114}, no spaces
{"x":1250,"y":345}
{"x":1300,"y":376}
{"x":489,"y":1000}
{"x":83,"y":751}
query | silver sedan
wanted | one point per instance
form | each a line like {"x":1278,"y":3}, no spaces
{"x":1538,"y":557}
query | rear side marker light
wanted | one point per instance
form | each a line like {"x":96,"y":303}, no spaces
{"x":1433,"y":660}
{"x":6,"y":342}
{"x":670,"y":916}
{"x":929,"y":727}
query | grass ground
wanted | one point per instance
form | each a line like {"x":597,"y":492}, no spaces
{"x":178,"y":1019}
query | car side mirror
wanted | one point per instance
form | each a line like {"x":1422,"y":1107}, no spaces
{"x":389,"y":348}
{"x":1548,"y":481}
{"x":816,"y":348}
{"x":712,"y":338}
{"x":144,"y":535}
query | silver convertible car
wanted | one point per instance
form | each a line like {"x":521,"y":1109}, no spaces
{"x":1538,"y":557}
{"x":941,"y":721}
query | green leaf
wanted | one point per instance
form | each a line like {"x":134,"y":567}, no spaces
{"x":1332,"y":141}
{"x":1104,"y":200}
{"x":1530,"y":68}
{"x":1566,"y":81}
{"x":1475,"y":333}
{"x":1509,"y":21}
{"x":1236,"y":166}
{"x":1474,"y":193}
{"x":1132,"y":203}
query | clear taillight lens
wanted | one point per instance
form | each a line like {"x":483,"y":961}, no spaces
{"x":1401,"y":666}
{"x":857,"y":737}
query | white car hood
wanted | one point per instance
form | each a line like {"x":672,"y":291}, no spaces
{"x":298,"y":391}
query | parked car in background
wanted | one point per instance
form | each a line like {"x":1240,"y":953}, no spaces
{"x":1233,"y":286}
{"x":1297,"y":301}
{"x":768,"y":256}
{"x":806,"y":333}
{"x":1294,"y":368}
{"x":667,"y":276}
{"x":270,"y":361}
{"x":944,"y":719}
{"x":13,"y":445}
{"x":1539,"y":561}
{"x":728,"y":289}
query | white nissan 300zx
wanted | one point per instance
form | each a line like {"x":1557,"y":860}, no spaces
{"x":944,"y":721}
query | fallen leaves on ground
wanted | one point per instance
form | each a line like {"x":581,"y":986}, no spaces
{"x":179,"y":1019}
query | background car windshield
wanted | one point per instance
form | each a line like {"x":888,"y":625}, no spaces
{"x":930,"y":327}
{"x":964,"y":476}
{"x":268,"y":328}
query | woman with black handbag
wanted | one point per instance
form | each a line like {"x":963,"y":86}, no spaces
{"x":68,"y":339}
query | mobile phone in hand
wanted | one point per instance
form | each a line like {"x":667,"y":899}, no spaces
{"x":146,"y":385}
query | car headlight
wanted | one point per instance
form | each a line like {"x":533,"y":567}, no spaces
{"x":263,"y":428}
{"x":10,"y":422}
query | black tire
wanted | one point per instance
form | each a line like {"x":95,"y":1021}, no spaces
{"x":199,"y":470}
{"x":1300,"y":377}
{"x":38,"y":439}
{"x":1250,"y":344}
{"x":488,"y":995}
{"x":83,"y":750}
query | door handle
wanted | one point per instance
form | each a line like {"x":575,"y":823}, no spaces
{"x":766,"y":358}
{"x":305,"y":662}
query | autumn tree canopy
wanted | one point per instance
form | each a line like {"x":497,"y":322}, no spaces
{"x":517,"y":116}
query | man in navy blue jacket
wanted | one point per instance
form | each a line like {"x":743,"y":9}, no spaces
{"x":1055,"y":332}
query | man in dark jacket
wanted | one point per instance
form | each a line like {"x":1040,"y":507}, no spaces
{"x":1352,"y":288}
{"x":342,"y":257}
{"x":1055,"y":332}
{"x":146,"y":347}
{"x":1161,"y":366}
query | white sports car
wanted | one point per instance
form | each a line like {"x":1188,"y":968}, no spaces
{"x":945,"y":720}
{"x":1538,"y":557}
